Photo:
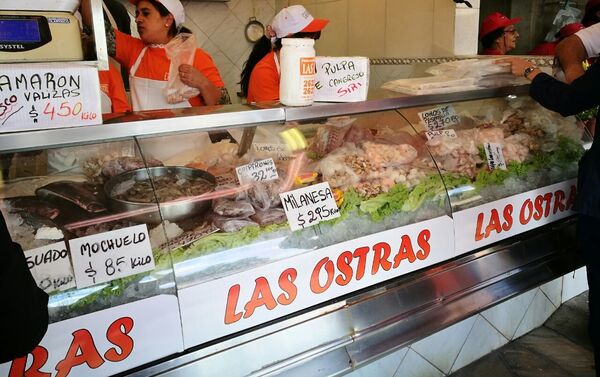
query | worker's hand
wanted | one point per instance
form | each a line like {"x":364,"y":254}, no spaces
{"x":190,"y":76}
{"x":519,"y":66}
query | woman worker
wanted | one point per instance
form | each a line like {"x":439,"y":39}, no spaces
{"x":260,"y":76}
{"x":498,"y":34}
{"x":158,"y":22}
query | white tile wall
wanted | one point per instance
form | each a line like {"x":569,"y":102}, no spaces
{"x":574,"y":283}
{"x":414,"y":365}
{"x":507,"y":316}
{"x":450,"y":340}
{"x":460,"y":344}
{"x":483,"y":339}
{"x":538,"y":312}
{"x":553,"y":290}
{"x":385,"y":367}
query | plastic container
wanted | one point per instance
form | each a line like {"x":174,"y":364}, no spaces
{"x":297,"y":64}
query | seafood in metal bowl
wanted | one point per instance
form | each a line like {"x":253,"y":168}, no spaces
{"x":179,"y":190}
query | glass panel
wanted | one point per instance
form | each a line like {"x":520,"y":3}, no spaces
{"x":379,"y":170}
{"x":539,"y":147}
{"x":55,"y":195}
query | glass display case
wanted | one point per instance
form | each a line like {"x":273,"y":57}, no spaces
{"x":235,"y":219}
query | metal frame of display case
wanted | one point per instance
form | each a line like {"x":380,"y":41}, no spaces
{"x":153,"y":123}
{"x":337,"y":336}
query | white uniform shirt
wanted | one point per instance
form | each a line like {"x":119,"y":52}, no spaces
{"x":590,"y":37}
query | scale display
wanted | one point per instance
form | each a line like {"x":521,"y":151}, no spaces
{"x":23,"y":33}
{"x":26,"y":30}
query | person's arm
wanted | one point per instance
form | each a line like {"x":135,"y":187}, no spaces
{"x":571,"y":53}
{"x":204,"y":76}
{"x":24,"y":316}
{"x":566,"y":99}
{"x":555,"y":95}
{"x":193,"y":77}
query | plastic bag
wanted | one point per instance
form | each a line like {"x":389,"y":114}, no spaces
{"x":567,"y":14}
{"x":181,"y":50}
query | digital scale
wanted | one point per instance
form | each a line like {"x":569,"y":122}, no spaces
{"x":39,"y":31}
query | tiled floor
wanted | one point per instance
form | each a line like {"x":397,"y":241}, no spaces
{"x":559,"y":348}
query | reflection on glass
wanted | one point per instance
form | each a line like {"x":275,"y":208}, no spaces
{"x":539,"y":148}
{"x":379,"y":170}
{"x":50,"y":197}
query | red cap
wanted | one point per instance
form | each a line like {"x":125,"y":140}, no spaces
{"x":569,"y":29}
{"x":495,"y":21}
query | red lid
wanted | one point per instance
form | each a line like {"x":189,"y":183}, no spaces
{"x":495,"y":21}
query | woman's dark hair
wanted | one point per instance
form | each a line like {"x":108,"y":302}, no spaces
{"x":173,"y":30}
{"x":489,"y":39}
{"x":261,"y":48}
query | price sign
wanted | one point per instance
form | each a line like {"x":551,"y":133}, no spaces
{"x":51,"y":268}
{"x":111,"y":255}
{"x":257,"y":171}
{"x":309,"y":206}
{"x":48,"y":95}
{"x":439,"y":118}
{"x":449,"y":133}
{"x":342,"y":79}
{"x":495,"y":157}
{"x":280,"y":152}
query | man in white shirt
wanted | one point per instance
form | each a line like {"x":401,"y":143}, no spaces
{"x":572,"y":51}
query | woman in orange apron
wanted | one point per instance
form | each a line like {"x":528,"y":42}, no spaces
{"x":260,"y":76}
{"x":158,"y":22}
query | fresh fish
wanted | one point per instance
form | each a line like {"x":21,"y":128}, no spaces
{"x":32,"y":204}
{"x":82,"y":195}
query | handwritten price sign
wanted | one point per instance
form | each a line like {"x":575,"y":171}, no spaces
{"x":439,"y":118}
{"x":50,"y":95}
{"x":309,"y":206}
{"x":342,"y":79}
{"x":111,"y":255}
{"x":449,"y":133}
{"x":495,"y":157}
{"x":50,"y":267}
{"x":257,"y":171}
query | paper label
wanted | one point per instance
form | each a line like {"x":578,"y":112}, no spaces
{"x":257,"y":171}
{"x":38,"y":96}
{"x":280,"y":152}
{"x":50,"y":267}
{"x":111,"y":255}
{"x":495,"y":157}
{"x":439,"y":118}
{"x":342,"y":79}
{"x":309,"y":206}
{"x":307,"y":74}
{"x":449,"y":133}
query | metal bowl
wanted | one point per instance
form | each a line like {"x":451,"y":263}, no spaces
{"x":148,"y":212}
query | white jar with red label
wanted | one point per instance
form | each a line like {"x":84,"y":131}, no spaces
{"x":297,"y":65}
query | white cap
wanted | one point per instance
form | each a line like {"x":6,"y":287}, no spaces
{"x":295,"y":19}
{"x":173,"y":6}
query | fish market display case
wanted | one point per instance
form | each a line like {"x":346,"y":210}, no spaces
{"x":286,"y":240}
